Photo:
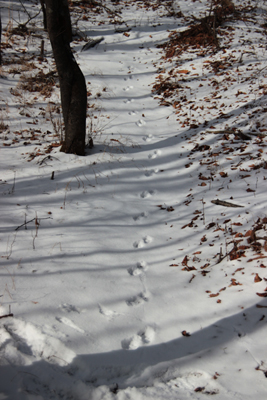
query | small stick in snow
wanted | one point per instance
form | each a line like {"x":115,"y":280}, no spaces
{"x":27,"y":222}
{"x":225,"y":203}
{"x":192,"y":277}
{"x":7,"y":315}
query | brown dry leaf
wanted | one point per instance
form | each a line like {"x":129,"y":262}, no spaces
{"x":257,"y":258}
{"x":210,"y":225}
{"x":224,"y":174}
{"x":257,"y":278}
{"x":214,"y":295}
{"x":187,"y":334}
{"x":219,"y":301}
{"x":183,"y":71}
{"x":199,"y":389}
{"x":188,"y":268}
{"x":238,"y":269}
{"x":185,"y":261}
{"x":235,"y":283}
{"x":238,"y":235}
{"x":262,"y":294}
{"x":173,"y":265}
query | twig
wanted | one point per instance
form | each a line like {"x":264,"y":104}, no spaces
{"x":226,"y":255}
{"x":7,"y":315}
{"x":224,"y":203}
{"x":192,"y":277}
{"x":27,"y":222}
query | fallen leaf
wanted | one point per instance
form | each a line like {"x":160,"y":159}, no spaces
{"x":257,"y":278}
{"x":185,"y":261}
{"x":199,"y":389}
{"x":214,"y":295}
{"x":183,"y":71}
{"x":187,"y":334}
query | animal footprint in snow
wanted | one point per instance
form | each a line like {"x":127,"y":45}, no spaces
{"x":132,"y":113}
{"x":138,"y":300}
{"x":140,"y":268}
{"x":69,"y":308}
{"x":128,"y":88}
{"x":140,"y":216}
{"x":145,"y":336}
{"x":141,"y":122}
{"x":132,"y":343}
{"x":107,"y":313}
{"x":68,"y":322}
{"x":141,"y":243}
{"x":148,"y":138}
{"x":147,"y":193}
{"x":155,"y":154}
{"x":151,"y":172}
{"x":128,"y":101}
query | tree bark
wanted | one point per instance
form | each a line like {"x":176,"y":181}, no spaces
{"x":44,"y":14}
{"x":72,"y":82}
{"x":0,"y":39}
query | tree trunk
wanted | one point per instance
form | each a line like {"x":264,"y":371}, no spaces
{"x":44,"y":14}
{"x":0,"y":40}
{"x":72,"y":82}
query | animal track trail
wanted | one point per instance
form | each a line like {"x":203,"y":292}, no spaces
{"x":142,"y":242}
{"x":140,"y":268}
{"x":127,"y":101}
{"x":155,"y":154}
{"x":109,"y":314}
{"x":140,"y":123}
{"x":69,"y":308}
{"x":147,"y":193}
{"x":68,"y":322}
{"x":139,"y":299}
{"x":140,"y":216}
{"x":128,"y":88}
{"x":151,"y":172}
{"x":148,"y":138}
{"x":143,"y":337}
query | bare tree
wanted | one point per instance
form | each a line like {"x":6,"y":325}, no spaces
{"x":72,"y":82}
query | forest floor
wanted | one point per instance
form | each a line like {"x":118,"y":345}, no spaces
{"x":139,"y":270}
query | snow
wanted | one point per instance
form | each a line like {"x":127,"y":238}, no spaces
{"x":116,"y":271}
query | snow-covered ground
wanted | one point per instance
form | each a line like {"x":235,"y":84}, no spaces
{"x":120,"y":278}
